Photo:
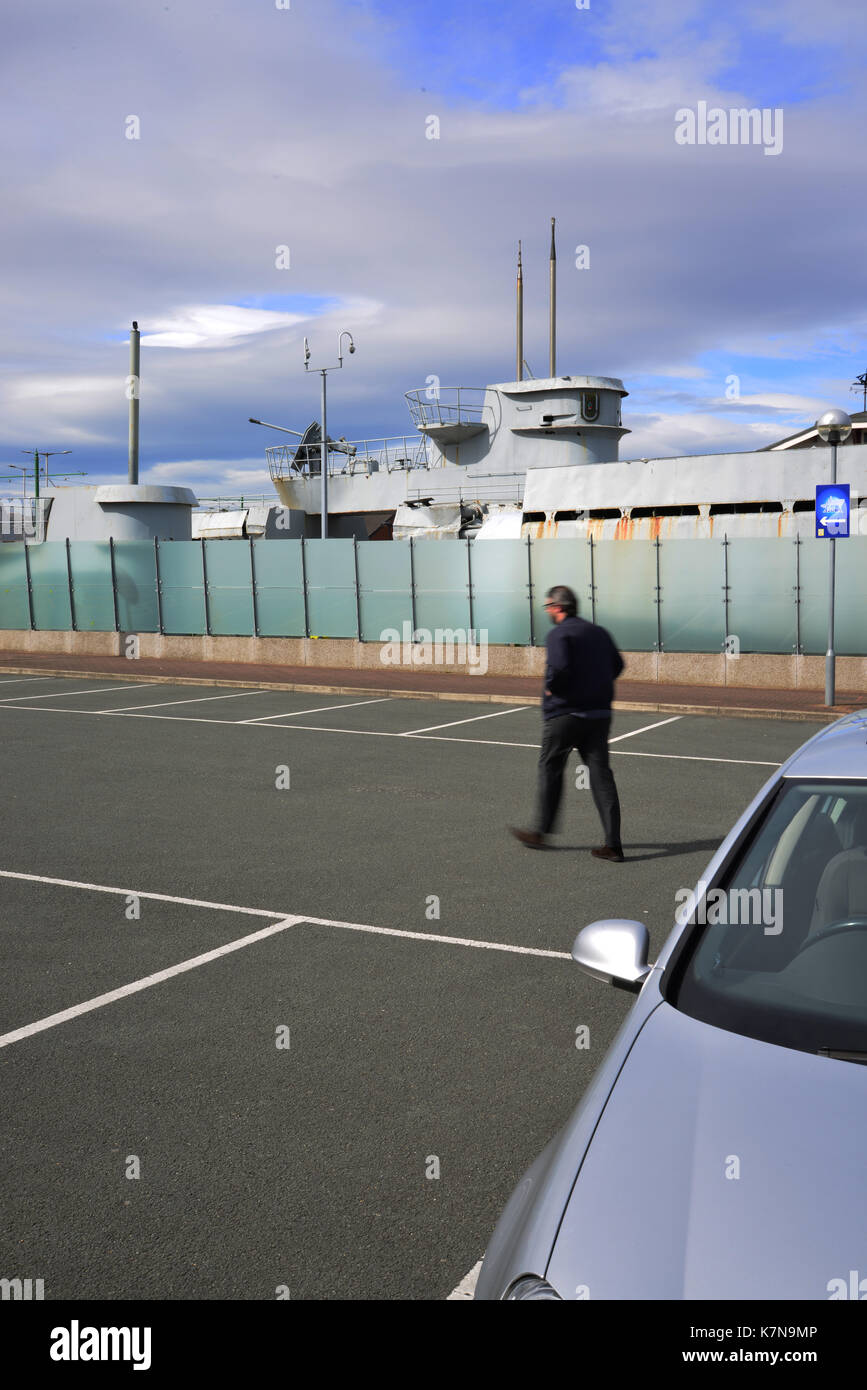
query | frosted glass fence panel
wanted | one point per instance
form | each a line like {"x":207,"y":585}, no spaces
{"x":135,"y":576}
{"x":385,"y":588}
{"x":49,"y":584}
{"x":851,"y":589}
{"x":850,"y":606}
{"x":279,"y":588}
{"x":691,"y":609}
{"x":331,"y":608}
{"x":14,"y":604}
{"x":441,"y":584}
{"x":92,"y":598}
{"x":625,"y":579}
{"x":777,"y":589}
{"x":230,"y":588}
{"x":762,"y":610}
{"x":501,"y":584}
{"x":558,"y":562}
{"x":182,"y":587}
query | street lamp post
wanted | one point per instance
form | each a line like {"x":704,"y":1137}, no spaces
{"x":324,"y":449}
{"x":46,"y":455}
{"x":834,"y":427}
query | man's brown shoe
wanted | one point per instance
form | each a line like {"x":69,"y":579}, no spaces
{"x":529,"y":837}
{"x":608,"y":852}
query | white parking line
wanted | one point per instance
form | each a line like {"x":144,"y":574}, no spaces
{"x":146,"y":983}
{"x":467,"y":1287}
{"x":58,"y":694}
{"x":379,"y":733}
{"x":285,"y":921}
{"x":693,"y":758}
{"x":411,"y":733}
{"x":136,"y":892}
{"x":658,"y":725}
{"x":194,"y":700}
{"x":19,"y":680}
{"x":290,"y":714}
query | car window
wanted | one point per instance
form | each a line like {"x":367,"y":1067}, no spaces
{"x":778,"y":946}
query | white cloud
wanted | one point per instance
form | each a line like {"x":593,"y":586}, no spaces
{"x":209,"y":477}
{"x":804,"y":407}
{"x":669,"y":436}
{"x":214,"y":326}
{"x":73,"y":389}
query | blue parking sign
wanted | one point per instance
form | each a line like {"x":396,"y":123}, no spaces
{"x":832,"y":509}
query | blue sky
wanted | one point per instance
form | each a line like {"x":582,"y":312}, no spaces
{"x":282,"y":184}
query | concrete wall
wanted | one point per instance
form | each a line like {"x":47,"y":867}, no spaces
{"x":346,"y":654}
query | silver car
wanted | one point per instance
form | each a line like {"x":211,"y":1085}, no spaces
{"x":719,"y":1151}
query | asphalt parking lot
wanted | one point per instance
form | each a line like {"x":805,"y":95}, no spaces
{"x":285,"y":1011}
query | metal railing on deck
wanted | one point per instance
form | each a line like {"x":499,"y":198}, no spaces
{"x":446,"y":405}
{"x":389,"y":454}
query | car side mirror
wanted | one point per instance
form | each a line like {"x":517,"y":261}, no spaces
{"x":614,"y":951}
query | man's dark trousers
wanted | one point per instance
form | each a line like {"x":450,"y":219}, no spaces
{"x":590,"y":736}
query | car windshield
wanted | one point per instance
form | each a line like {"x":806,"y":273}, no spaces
{"x":779,"y":946}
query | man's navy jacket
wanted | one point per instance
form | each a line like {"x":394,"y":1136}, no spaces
{"x":583,"y":664}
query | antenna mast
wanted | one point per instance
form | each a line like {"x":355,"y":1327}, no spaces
{"x":519,"y":376}
{"x":552,"y":307}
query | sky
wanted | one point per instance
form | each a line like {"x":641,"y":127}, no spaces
{"x":239,"y":174}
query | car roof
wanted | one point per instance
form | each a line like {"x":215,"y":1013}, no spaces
{"x":839,"y":751}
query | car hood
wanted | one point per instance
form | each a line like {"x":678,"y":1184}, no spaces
{"x":721,"y":1167}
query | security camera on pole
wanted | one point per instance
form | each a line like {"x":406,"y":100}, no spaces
{"x":832,"y":520}
{"x":324,"y":449}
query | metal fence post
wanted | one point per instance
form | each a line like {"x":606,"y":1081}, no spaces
{"x":470,"y":589}
{"x":412,"y":585}
{"x":530,"y":590}
{"x":658,"y":547}
{"x":357,"y":589}
{"x":592,"y":581}
{"x":205,"y":591}
{"x":725,"y":545}
{"x":304,"y":589}
{"x":798,"y":647}
{"x":253,"y":590}
{"x":69,"y":583}
{"x":158,"y":585}
{"x":29,"y":584}
{"x":113,"y":582}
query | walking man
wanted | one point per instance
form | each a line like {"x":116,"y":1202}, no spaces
{"x":582,"y":666}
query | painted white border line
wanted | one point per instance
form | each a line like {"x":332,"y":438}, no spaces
{"x":265,"y":912}
{"x":147,"y":982}
{"x":320,"y":709}
{"x":285,"y":921}
{"x":467,"y":1287}
{"x":410,"y":733}
{"x":646,"y":728}
{"x":135,"y":892}
{"x":22,"y":680}
{"x":57,"y":694}
{"x":378,"y":733}
{"x":194,"y":700}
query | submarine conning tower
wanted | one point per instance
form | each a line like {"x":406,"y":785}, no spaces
{"x":567,"y":420}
